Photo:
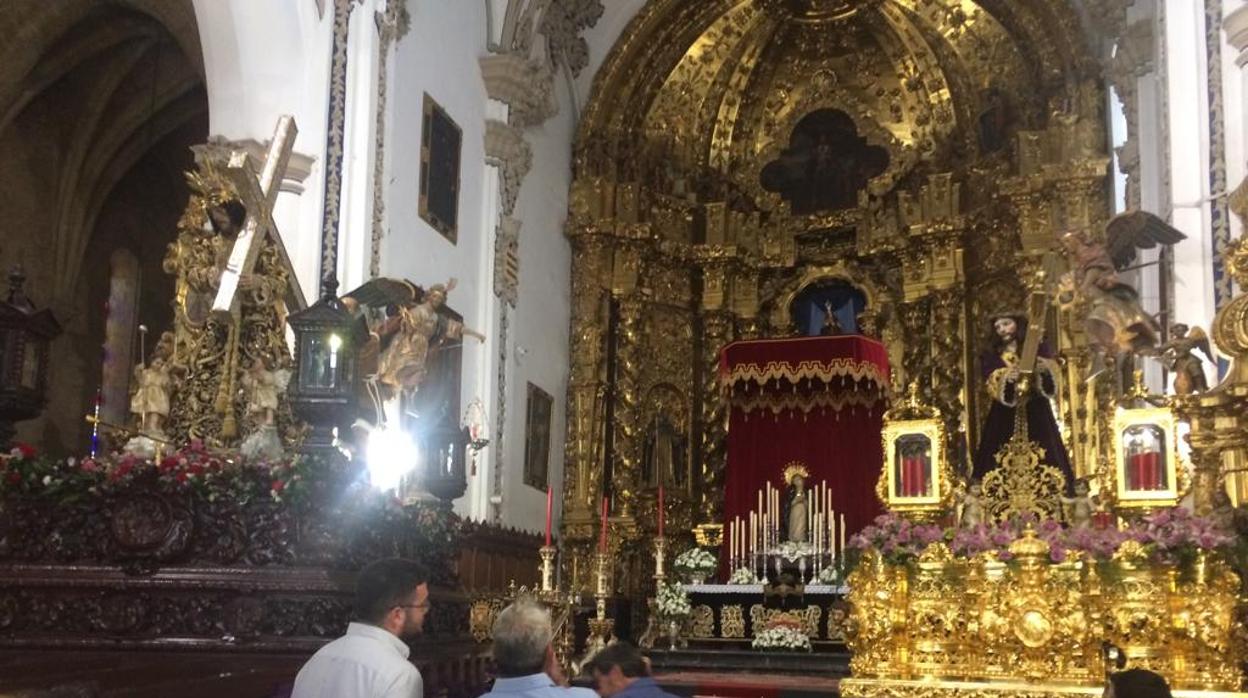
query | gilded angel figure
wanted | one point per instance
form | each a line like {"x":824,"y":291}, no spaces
{"x":1115,"y":320}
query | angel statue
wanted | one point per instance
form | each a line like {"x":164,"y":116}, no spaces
{"x":1116,"y":322}
{"x":263,"y":385}
{"x":1179,"y":355}
{"x":149,"y":403}
{"x":412,"y":329}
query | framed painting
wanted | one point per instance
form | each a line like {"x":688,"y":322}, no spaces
{"x":440,"y":143}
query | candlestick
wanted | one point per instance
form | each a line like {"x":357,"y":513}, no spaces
{"x":550,"y":506}
{"x":661,"y":511}
{"x":602,"y":539}
{"x":660,"y":571}
{"x":547,"y":553}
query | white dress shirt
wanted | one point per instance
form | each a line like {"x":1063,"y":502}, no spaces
{"x":367,"y":662}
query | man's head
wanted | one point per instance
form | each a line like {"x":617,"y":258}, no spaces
{"x":522,"y":635}
{"x":1137,"y":683}
{"x":393,"y":594}
{"x":616,"y":667}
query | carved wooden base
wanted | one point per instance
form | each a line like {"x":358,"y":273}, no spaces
{"x":897,"y":688}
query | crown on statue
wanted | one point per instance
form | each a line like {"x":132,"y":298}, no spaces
{"x":793,"y":469}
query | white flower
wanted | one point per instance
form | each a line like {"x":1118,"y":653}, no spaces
{"x":781,"y":637}
{"x":791,"y":551}
{"x":829,"y":575}
{"x":743,"y":575}
{"x":696,"y":560}
{"x":673,"y":602}
{"x":47,"y":480}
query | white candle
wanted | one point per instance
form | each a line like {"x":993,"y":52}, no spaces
{"x":842,"y":533}
{"x":832,"y":532}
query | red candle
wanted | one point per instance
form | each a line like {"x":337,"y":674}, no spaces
{"x":550,"y":506}
{"x":602,"y":541}
{"x":661,"y":511}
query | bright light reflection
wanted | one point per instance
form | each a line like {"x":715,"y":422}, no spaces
{"x":391,"y":455}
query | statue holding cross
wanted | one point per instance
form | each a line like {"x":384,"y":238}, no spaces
{"x":235,"y":287}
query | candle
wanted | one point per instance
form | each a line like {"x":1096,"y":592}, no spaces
{"x":661,"y":513}
{"x":842,"y":533}
{"x":602,"y":541}
{"x":832,"y":532}
{"x":759,"y":509}
{"x":753,"y":531}
{"x":550,"y":505}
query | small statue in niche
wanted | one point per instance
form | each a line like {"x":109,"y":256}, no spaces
{"x":664,"y":459}
{"x":1080,"y":508}
{"x":263,"y":385}
{"x":971,"y":507}
{"x":1179,"y":355}
{"x":831,"y":325}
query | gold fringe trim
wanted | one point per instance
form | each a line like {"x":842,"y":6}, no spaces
{"x":822,"y":371}
{"x":806,"y":403}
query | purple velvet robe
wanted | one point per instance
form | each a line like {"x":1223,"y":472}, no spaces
{"x":1041,"y":426}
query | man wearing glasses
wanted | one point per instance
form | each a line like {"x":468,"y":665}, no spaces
{"x":370,"y":661}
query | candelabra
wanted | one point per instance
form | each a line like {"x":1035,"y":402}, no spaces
{"x":660,"y":564}
{"x":600,"y":626}
{"x":548,"y":593}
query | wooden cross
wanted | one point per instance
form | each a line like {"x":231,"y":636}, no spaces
{"x":258,"y":197}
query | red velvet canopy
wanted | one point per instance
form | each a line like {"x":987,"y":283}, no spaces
{"x":819,"y":400}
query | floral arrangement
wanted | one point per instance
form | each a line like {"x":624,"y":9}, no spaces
{"x":673,"y":602}
{"x":830,"y":575}
{"x":696,"y":561}
{"x":782,"y":633}
{"x":194,"y":467}
{"x":792,"y":551}
{"x":1169,"y":536}
{"x":743,"y":575}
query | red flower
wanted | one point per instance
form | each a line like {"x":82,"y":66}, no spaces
{"x":278,"y":485}
{"x":180,"y":477}
{"x":26,"y":450}
{"x":169,"y":463}
{"x":13,"y":477}
{"x":89,"y":465}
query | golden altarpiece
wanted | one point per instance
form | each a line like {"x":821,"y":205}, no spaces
{"x":735,"y":154}
{"x":706,"y":198}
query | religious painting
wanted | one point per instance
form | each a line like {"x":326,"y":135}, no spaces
{"x":537,"y":437}
{"x":439,"y":170}
{"x":825,"y":164}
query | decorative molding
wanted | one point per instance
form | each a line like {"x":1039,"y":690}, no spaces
{"x":334,"y":140}
{"x":298,"y":167}
{"x":506,"y":148}
{"x":392,"y":26}
{"x":507,"y":260}
{"x":1219,"y":212}
{"x":562,"y":24}
{"x":496,"y":494}
{"x":526,"y":86}
{"x":1132,"y":59}
{"x":1236,"y":27}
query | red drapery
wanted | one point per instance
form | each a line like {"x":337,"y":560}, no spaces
{"x":814,"y":399}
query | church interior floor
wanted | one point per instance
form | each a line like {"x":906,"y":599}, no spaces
{"x":697,"y":684}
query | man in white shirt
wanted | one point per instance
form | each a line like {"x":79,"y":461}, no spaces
{"x":370,"y":661}
{"x":524,"y":657}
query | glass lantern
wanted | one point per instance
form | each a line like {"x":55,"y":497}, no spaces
{"x":1147,"y":468}
{"x":916,"y":479}
{"x":327,"y":380}
{"x":25,"y":337}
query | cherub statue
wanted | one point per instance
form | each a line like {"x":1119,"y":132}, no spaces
{"x":153,"y":387}
{"x":1081,"y":507}
{"x":1179,"y":356}
{"x":263,"y":385}
{"x":1116,"y":322}
{"x":412,"y":329}
{"x":971,"y":508}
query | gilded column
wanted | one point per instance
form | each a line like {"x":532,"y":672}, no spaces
{"x":949,"y":378}
{"x":626,"y":444}
{"x":716,"y":333}
{"x":586,"y":386}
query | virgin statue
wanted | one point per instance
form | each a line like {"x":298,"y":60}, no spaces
{"x":797,"y":504}
{"x":1000,"y":370}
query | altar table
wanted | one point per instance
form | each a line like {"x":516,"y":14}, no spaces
{"x":730,"y":612}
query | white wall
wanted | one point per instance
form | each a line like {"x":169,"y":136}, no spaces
{"x":440,"y":56}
